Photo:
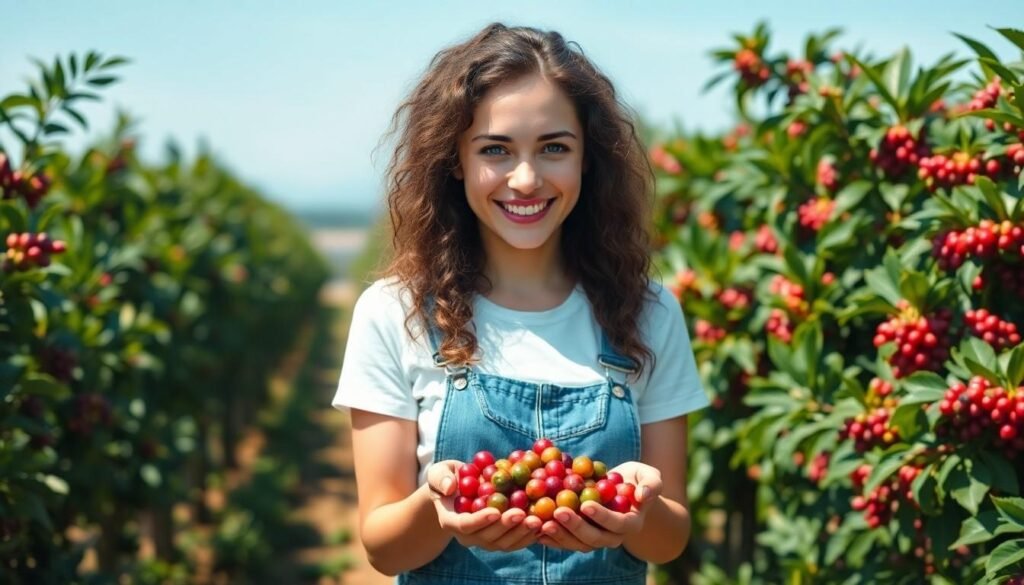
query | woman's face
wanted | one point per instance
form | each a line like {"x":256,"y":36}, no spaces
{"x":521,"y":162}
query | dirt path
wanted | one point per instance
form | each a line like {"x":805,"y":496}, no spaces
{"x":329,"y":502}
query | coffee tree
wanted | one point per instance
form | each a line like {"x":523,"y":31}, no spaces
{"x":142,"y":309}
{"x":851,"y":260}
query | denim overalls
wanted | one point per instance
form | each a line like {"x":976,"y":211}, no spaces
{"x":489,"y":412}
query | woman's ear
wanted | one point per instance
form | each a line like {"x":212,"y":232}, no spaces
{"x":457,"y":173}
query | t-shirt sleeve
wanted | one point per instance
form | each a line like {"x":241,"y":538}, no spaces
{"x":372,"y":374}
{"x":674,"y":387}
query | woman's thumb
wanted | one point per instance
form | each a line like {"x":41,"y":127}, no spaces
{"x":443,"y":478}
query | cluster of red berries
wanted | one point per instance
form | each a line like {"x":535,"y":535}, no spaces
{"x":778,"y":325}
{"x":993,"y":330}
{"x":981,"y":412}
{"x":27,"y":250}
{"x":827,"y":175}
{"x":15,"y":182}
{"x":818,"y":467}
{"x":986,"y":97}
{"x":898,"y":151}
{"x":731,"y":141}
{"x":952,"y":248}
{"x":870,"y":429}
{"x":959,"y":168}
{"x":707,"y":332}
{"x":735,"y":298}
{"x":922,"y":341}
{"x":664,"y":160}
{"x":1015,"y":580}
{"x":684,"y":283}
{"x":792,"y":294}
{"x":796,"y":129}
{"x":797,"y":73}
{"x":751,"y":68}
{"x":884,"y":501}
{"x":538,"y":481}
{"x":89,"y":411}
{"x":765,"y":241}
{"x":814,"y":214}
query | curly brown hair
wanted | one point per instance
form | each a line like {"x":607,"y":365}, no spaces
{"x":436,"y":247}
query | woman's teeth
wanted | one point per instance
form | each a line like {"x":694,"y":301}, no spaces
{"x":526,"y":210}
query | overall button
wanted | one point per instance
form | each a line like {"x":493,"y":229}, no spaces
{"x":460,"y":383}
{"x":618,"y":391}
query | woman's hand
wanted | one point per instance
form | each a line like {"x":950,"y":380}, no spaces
{"x":488,"y":529}
{"x":605,"y":528}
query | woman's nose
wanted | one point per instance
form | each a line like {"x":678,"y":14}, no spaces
{"x":524,"y":178}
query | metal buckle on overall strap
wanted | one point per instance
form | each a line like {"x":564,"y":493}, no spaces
{"x":458,"y":374}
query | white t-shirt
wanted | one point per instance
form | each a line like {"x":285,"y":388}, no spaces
{"x":385,"y":372}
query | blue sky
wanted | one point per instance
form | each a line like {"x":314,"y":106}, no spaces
{"x":294,"y":96}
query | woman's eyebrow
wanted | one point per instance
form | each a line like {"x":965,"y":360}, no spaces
{"x":502,"y":138}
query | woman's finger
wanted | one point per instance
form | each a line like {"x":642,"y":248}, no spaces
{"x":610,"y":520}
{"x":563,"y":538}
{"x":585,"y":532}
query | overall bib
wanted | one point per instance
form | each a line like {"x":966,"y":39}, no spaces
{"x":498,"y":414}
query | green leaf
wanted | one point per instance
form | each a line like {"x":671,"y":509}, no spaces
{"x":1012,"y":509}
{"x":151,"y":475}
{"x":924,"y":387}
{"x":1004,"y":476}
{"x":876,"y":79}
{"x":881,"y":284}
{"x":56,"y":484}
{"x":914,"y":287}
{"x":997,"y":115}
{"x":1015,"y":370}
{"x":1014,"y":36}
{"x":888,"y":466}
{"x":796,"y":266}
{"x":897,"y":75}
{"x":91,"y":58}
{"x":1005,"y":555}
{"x":77,"y":116}
{"x":969,"y":484}
{"x":113,"y":62}
{"x":101,"y":81}
{"x":55,"y":128}
{"x":1003,"y":71}
{"x":17,"y":100}
{"x":979,"y":48}
{"x":993,"y":196}
{"x":978,"y":529}
{"x":73,"y":63}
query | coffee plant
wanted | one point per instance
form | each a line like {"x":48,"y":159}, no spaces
{"x":142,"y":309}
{"x":851,"y":259}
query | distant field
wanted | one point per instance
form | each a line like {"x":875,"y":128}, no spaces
{"x":322,"y":218}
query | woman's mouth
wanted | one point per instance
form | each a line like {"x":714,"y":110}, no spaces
{"x":519,"y":213}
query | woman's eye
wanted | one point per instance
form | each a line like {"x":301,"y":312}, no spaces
{"x":558,"y":148}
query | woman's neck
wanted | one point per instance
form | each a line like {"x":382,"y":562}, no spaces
{"x":526,"y":280}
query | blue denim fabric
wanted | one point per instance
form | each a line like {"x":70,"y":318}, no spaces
{"x":488,"y":412}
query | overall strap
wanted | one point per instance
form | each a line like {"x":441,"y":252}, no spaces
{"x":457,"y":373}
{"x":611,"y":358}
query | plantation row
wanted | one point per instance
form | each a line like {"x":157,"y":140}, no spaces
{"x":142,"y":309}
{"x":851,"y":260}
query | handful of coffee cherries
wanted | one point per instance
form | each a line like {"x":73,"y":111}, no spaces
{"x":538,"y":481}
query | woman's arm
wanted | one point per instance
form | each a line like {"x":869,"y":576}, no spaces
{"x":404,"y":527}
{"x":397,"y":521}
{"x":666,"y":526}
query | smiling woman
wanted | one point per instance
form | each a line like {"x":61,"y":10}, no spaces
{"x":517,"y":307}
{"x":524,"y":181}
